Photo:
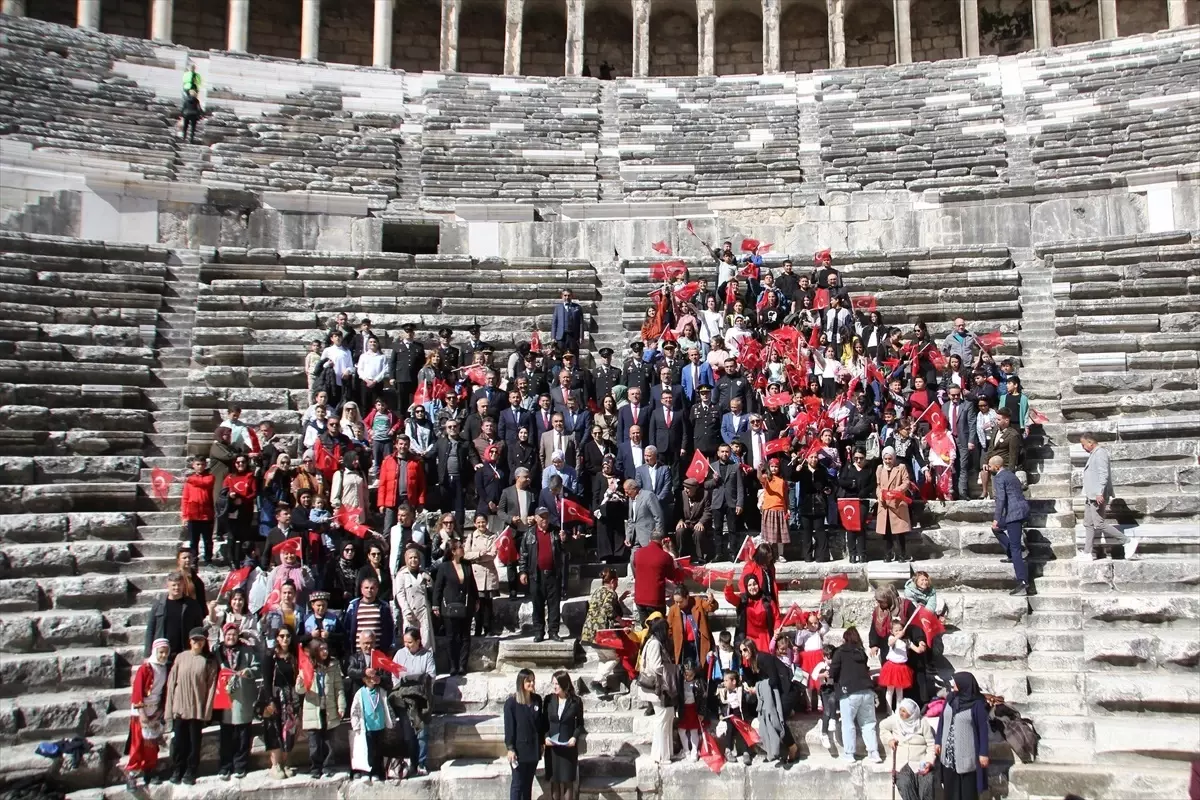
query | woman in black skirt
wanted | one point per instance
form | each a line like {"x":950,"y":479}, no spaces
{"x":564,"y":725}
{"x":523,"y":735}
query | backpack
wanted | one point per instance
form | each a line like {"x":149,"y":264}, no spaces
{"x":1019,"y":732}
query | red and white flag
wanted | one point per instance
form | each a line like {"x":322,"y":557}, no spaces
{"x":667,"y":270}
{"x":990,"y":341}
{"x":235,"y":580}
{"x":832,"y":585}
{"x":575,"y":512}
{"x":794,"y":618}
{"x":351,"y":520}
{"x":661,"y":247}
{"x":381,"y":661}
{"x":293,"y":545}
{"x":850,"y":512}
{"x":746,"y":551}
{"x":160,"y":482}
{"x":698,"y":469}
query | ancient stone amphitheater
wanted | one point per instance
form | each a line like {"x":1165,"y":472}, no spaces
{"x":145,"y":283}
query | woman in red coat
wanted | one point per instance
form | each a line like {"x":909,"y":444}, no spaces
{"x":236,"y":508}
{"x":762,"y":568}
{"x":196,"y":507}
{"x":756,"y":613}
{"x":146,"y":723}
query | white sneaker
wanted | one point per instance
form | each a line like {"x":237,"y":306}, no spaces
{"x":693,"y":756}
{"x":781,"y":560}
{"x":875,"y":758}
{"x":1085,"y":556}
{"x":825,"y":741}
{"x":1131,"y":547}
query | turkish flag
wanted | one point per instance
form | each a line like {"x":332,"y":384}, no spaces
{"x":823,"y":257}
{"x":929,"y":623}
{"x":477,"y":374}
{"x":812,"y":404}
{"x":244,"y":485}
{"x":990,"y":341}
{"x":943,"y":484}
{"x":575,"y":512}
{"x":160,"y":482}
{"x":750,"y":354}
{"x":936,"y":358}
{"x":748,"y":734}
{"x":621,"y":641}
{"x":687,"y":291}
{"x":777,"y":400}
{"x":786,"y":339}
{"x":304,"y":662}
{"x":730,"y":293}
{"x":776,"y":446}
{"x":850,"y":512}
{"x":864,"y":302}
{"x":535,"y":341}
{"x":821,"y":299}
{"x":891,"y":364}
{"x":293,"y":545}
{"x":506,"y":547}
{"x":325,"y":461}
{"x":661,"y":247}
{"x":718,"y":575}
{"x":794,"y":618}
{"x":936,"y":420}
{"x":1037,"y":417}
{"x":832,"y":585}
{"x":814,"y":337}
{"x":746,"y":551}
{"x":222,"y":701}
{"x":710,"y":752}
{"x":351,"y":520}
{"x":691,"y":228}
{"x":698,"y":469}
{"x":235,"y":580}
{"x":380,"y":661}
{"x":873,"y":373}
{"x":749,"y":271}
{"x":796,"y":374}
{"x":667,"y":270}
{"x":749,"y":245}
{"x":940,"y":443}
{"x":895,"y":495}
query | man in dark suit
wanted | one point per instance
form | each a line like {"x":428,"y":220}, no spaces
{"x":668,"y":430}
{"x":562,"y":389}
{"x":577,"y":420}
{"x":513,"y":418}
{"x":636,"y":412}
{"x":732,"y":384}
{"x":516,"y":507}
{"x":655,"y":477}
{"x":543,"y":417}
{"x":567,"y":324}
{"x":705,"y":420}
{"x":591,"y":461}
{"x":735,"y":423}
{"x":451,"y":455}
{"x":605,"y":376}
{"x":474,"y":344}
{"x":631,"y":454}
{"x":670,"y":361}
{"x":1005,"y":444}
{"x":496,"y":398}
{"x":728,"y":496}
{"x":408,"y":356}
{"x":666,"y":384}
{"x":451,"y":358}
{"x":960,"y":420}
{"x":474,"y":421}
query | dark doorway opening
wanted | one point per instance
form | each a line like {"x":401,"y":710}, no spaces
{"x":413,"y":238}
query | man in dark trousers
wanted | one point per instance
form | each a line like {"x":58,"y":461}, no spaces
{"x":408,"y":356}
{"x":173,"y":616}
{"x":567,"y":324}
{"x":668,"y":431}
{"x":454,"y":470}
{"x":605,"y":376}
{"x":705,"y":419}
{"x":728,"y":497}
{"x":540,"y":568}
{"x":1009,"y":518}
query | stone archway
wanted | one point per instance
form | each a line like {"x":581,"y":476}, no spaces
{"x":544,"y":41}
{"x":936,"y":30}
{"x":1005,"y":27}
{"x":739,"y":40}
{"x":673,"y":44}
{"x":416,"y":36}
{"x":870,"y":33}
{"x":481,"y":37}
{"x":804,"y":37}
{"x":608,"y":36}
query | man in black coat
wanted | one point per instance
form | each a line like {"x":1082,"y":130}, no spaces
{"x":733,"y":384}
{"x":668,"y":429}
{"x":705,"y":419}
{"x":605,"y":376}
{"x":540,"y":568}
{"x":173,"y":616}
{"x":637,"y":372}
{"x":408,"y":356}
{"x":727,"y":488}
{"x":451,"y":357}
{"x":451,"y":457}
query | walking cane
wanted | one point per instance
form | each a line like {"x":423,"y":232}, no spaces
{"x":893,"y":772}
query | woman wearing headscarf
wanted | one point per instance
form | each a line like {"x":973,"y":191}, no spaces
{"x":658,"y":684}
{"x":610,"y":512}
{"x":756,"y":613}
{"x":891,"y":487}
{"x":962,"y":740}
{"x":341,"y":575}
{"x":146,"y":721}
{"x":910,"y":736}
{"x":276,"y":491}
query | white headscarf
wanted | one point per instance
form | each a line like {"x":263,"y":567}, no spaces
{"x":909,"y":727}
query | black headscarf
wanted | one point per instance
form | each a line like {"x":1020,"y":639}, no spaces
{"x":967,"y":694}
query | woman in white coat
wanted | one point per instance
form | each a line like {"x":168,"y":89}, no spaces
{"x":910,"y":737}
{"x":658,"y":683}
{"x":411,"y":590}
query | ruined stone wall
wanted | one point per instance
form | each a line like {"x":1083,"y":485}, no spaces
{"x":202,"y":26}
{"x":481,"y":38}
{"x":803,"y":40}
{"x":608,"y":36}
{"x":739,"y":43}
{"x":126,"y":18}
{"x":61,"y":12}
{"x":1138,"y":16}
{"x":673,"y":44}
{"x":416,"y":39}
{"x":347,"y":32}
{"x":1074,"y":21}
{"x":870,"y":34}
{"x":275,"y":29}
{"x":544,"y":43}
{"x":1005,"y":27}
{"x":936,"y":30}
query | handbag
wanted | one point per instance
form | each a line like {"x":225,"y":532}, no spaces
{"x":456,"y":610}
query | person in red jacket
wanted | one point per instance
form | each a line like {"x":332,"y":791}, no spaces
{"x":392,"y":494}
{"x":196,"y":507}
{"x":653,"y":566}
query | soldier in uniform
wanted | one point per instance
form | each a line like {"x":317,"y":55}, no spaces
{"x":451,"y":358}
{"x":474,"y":344}
{"x":605,"y":376}
{"x":408,"y":356}
{"x":733,"y":384}
{"x":638,"y":372}
{"x":706,"y":423}
{"x":671,"y":360}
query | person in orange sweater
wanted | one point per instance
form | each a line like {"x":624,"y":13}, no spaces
{"x":196,"y":507}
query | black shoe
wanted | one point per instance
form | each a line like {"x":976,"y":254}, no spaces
{"x":175,"y":779}
{"x":1020,"y":590}
{"x":890,"y":557}
{"x":537,"y":638}
{"x":598,"y":687}
{"x":1006,"y":560}
{"x":906,"y":558}
{"x":239,"y":775}
{"x":188,"y":780}
{"x":225,"y":775}
{"x":512,"y":595}
{"x":316,"y":774}
{"x":554,"y":637}
{"x":581,"y":688}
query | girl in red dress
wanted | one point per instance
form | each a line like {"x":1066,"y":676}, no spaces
{"x":896,"y":675}
{"x":146,"y":723}
{"x":692,"y":696}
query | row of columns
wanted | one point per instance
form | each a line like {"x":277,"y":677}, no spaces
{"x":162,"y":14}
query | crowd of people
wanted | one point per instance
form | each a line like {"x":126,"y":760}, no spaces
{"x":765,"y":418}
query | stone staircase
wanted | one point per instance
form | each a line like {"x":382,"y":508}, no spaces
{"x":191,"y":160}
{"x":608,"y":162}
{"x":609,"y":332}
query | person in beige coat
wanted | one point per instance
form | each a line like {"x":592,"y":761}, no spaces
{"x":480,"y":550}
{"x":324,"y":706}
{"x":892,"y":520}
{"x":191,"y":688}
{"x":910,"y":737}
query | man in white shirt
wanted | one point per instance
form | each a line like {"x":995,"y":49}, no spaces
{"x":341,"y":361}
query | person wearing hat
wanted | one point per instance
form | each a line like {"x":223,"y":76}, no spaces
{"x":474,"y":344}
{"x":605,"y":376}
{"x":191,"y":688}
{"x":408,"y":356}
{"x":239,"y":668}
{"x":704,"y":420}
{"x":566,"y":326}
{"x":638,"y":373}
{"x":539,"y":569}
{"x":146,"y":728}
{"x":451,"y":358}
{"x":323,"y":624}
{"x":694,"y":529}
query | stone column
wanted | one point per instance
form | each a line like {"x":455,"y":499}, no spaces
{"x":835,"y":12}
{"x":14,"y":8}
{"x":1043,"y":35}
{"x":969,"y":13}
{"x":310,"y":30}
{"x":1108,"y":19}
{"x":162,"y":14}
{"x":514,"y":25}
{"x":87,"y":14}
{"x":239,"y":26}
{"x":448,"y":62}
{"x":771,"y":58}
{"x":641,"y":38}
{"x":574,"y":54}
{"x":706,"y":35}
{"x":1176,"y":13}
{"x":381,"y":48}
{"x":901,"y":10}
